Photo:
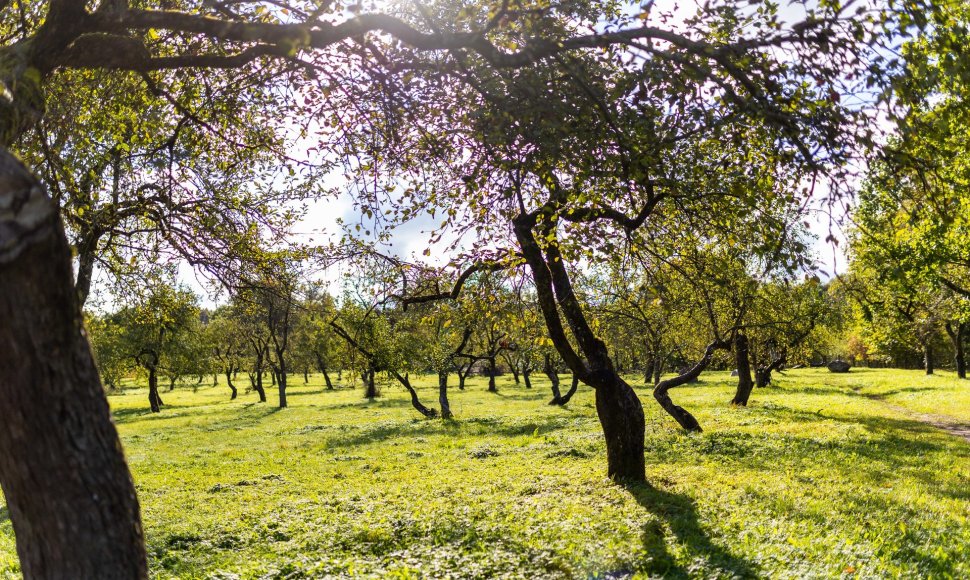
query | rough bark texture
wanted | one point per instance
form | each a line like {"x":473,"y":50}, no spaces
{"x":743,"y":361}
{"x":70,"y":496}
{"x":621,"y":417}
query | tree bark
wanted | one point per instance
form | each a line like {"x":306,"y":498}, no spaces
{"x":69,"y":494}
{"x":443,"y":395}
{"x":743,"y":361}
{"x":621,"y":417}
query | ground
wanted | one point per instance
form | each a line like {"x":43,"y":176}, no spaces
{"x":822,"y":476}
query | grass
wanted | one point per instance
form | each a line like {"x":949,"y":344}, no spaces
{"x":822,"y":476}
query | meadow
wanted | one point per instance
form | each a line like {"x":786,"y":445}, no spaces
{"x":822,"y":475}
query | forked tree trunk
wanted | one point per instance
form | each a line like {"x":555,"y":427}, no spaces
{"x":743,"y":361}
{"x":69,"y":494}
{"x":443,"y":395}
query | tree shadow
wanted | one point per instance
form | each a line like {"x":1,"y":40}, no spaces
{"x":680,"y":514}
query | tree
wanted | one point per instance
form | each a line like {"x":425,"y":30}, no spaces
{"x":156,"y":331}
{"x":44,"y":36}
{"x":579,"y":153}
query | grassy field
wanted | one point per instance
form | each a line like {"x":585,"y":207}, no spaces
{"x":822,"y":476}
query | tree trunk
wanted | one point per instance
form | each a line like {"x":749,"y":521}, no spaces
{"x":928,"y":358}
{"x":526,"y":376}
{"x":326,"y":377}
{"x":658,"y":370}
{"x":85,"y":269}
{"x":492,"y":371}
{"x":621,"y":416}
{"x":553,"y":375}
{"x":154,"y":400}
{"x":745,"y":384}
{"x":662,"y":391}
{"x":443,"y":395}
{"x":258,"y":385}
{"x":215,"y":379}
{"x":306,"y":376}
{"x":371,"y":391}
{"x":171,"y":383}
{"x":415,"y":401}
{"x":281,"y":379}
{"x":956,"y":337}
{"x":572,"y":390}
{"x":232,"y":387}
{"x":515,"y":373}
{"x":69,"y":495}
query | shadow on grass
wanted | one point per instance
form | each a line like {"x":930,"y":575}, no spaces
{"x":679,"y":513}
{"x":486,"y":426}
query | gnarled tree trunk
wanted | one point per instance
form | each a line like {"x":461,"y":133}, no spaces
{"x":69,"y":494}
{"x":662,"y":391}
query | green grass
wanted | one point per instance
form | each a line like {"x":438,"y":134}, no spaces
{"x":822,"y":476}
